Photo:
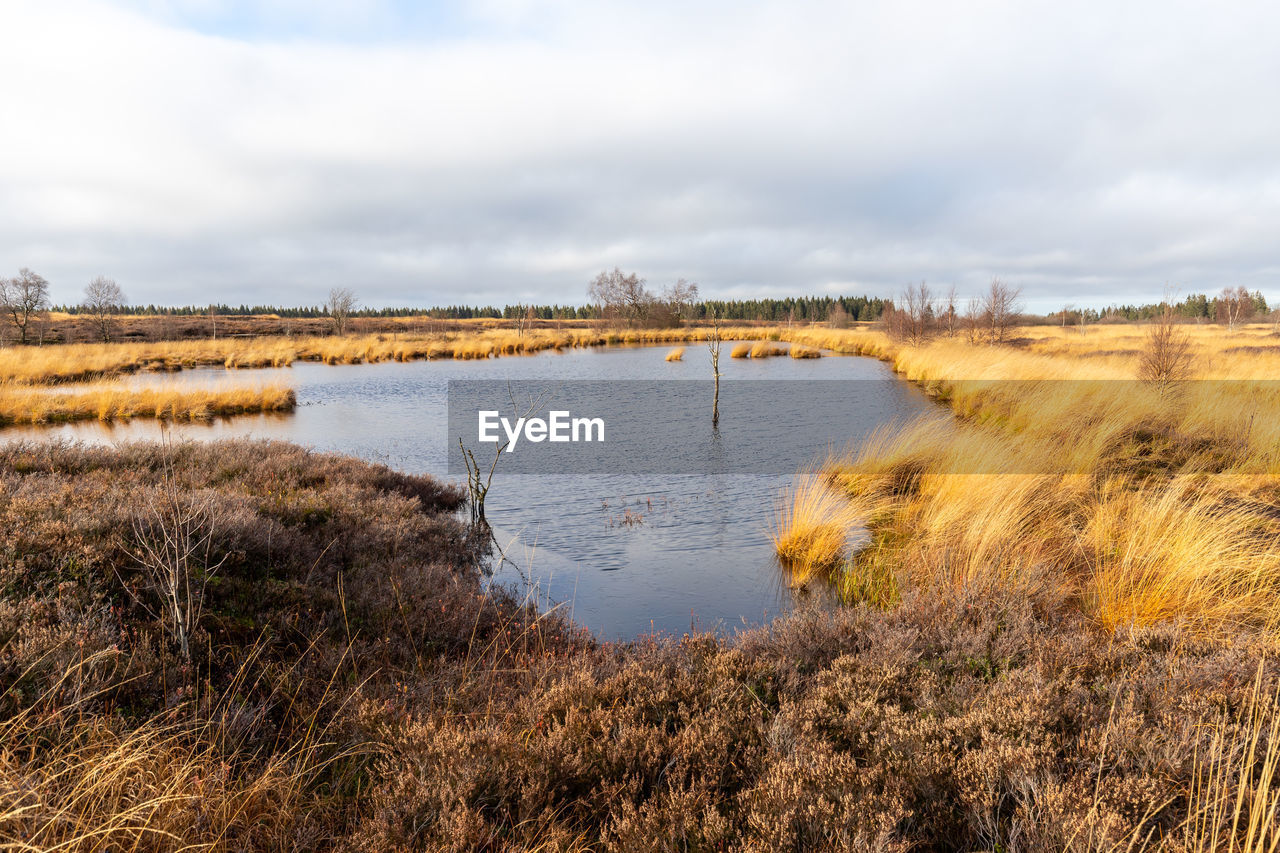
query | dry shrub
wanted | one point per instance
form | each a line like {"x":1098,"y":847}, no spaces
{"x":961,"y":724}
{"x":1166,"y":356}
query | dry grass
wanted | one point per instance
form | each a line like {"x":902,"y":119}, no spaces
{"x":801,"y":351}
{"x":80,"y":362}
{"x":1082,"y":655}
{"x":812,"y":529}
{"x":1136,"y":506}
{"x":676,"y":354}
{"x":1234,"y":803}
{"x":765,"y":349}
{"x":740,"y":351}
{"x":20,"y":405}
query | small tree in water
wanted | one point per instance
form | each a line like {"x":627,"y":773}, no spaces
{"x":713,"y":345}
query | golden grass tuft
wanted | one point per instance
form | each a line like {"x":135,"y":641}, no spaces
{"x":677,"y":354}
{"x":765,"y":349}
{"x":812,"y":528}
{"x":801,"y":351}
{"x":741,"y":351}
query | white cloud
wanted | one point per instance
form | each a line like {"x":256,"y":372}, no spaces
{"x":757,"y":148}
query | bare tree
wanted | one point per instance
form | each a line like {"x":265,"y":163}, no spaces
{"x":103,"y":300}
{"x":174,"y":538}
{"x":1001,"y":308}
{"x":23,"y":299}
{"x":1067,"y":311}
{"x":1234,"y":306}
{"x":713,"y":346}
{"x":950,"y":317}
{"x":213,"y":320}
{"x":913,"y":318}
{"x":1166,"y":355}
{"x":622,"y":297}
{"x":524,"y":319}
{"x":680,"y":298}
{"x":837,"y":317}
{"x":341,"y":302}
{"x":974,"y":322}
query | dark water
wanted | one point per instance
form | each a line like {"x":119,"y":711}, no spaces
{"x":622,"y":553}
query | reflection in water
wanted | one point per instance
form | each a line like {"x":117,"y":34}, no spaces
{"x":625,"y":554}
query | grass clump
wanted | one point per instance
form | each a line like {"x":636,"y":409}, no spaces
{"x":766,"y":349}
{"x":801,"y":351}
{"x":813,"y":528}
{"x":676,"y":354}
{"x":740,"y":351}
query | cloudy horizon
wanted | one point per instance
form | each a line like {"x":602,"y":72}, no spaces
{"x":502,"y":151}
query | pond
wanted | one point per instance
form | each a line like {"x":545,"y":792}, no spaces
{"x":622,"y":553}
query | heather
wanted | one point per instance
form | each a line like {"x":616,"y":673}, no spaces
{"x":350,"y":684}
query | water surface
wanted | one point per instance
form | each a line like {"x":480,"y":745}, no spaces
{"x":624,"y":554}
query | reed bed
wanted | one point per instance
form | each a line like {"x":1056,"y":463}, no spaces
{"x":1134,"y":506}
{"x":19,"y":405}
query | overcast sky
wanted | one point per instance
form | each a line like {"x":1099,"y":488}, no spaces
{"x":507,"y":150}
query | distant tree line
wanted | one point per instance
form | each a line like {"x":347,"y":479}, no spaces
{"x":1232,"y":305}
{"x":796,"y":309}
{"x":625,"y":299}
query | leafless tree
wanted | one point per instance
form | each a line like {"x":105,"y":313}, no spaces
{"x":213,"y":320}
{"x":1067,"y":311}
{"x":1000,"y":307}
{"x":341,"y":302}
{"x":174,"y":547}
{"x":973,"y":320}
{"x":950,"y":316}
{"x":103,"y":300}
{"x":622,"y":297}
{"x":1234,"y":306}
{"x":680,"y":298}
{"x":837,"y":317}
{"x":1166,"y":354}
{"x":24,"y":298}
{"x":713,"y":346}
{"x":480,"y":480}
{"x":524,"y":319}
{"x":912,"y":319}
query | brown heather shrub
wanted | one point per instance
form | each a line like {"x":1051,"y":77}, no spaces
{"x":939,"y":726}
{"x":354,"y":687}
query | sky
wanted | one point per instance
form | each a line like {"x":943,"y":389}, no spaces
{"x":503,"y":151}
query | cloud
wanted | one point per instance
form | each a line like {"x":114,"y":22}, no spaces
{"x":508,"y":149}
